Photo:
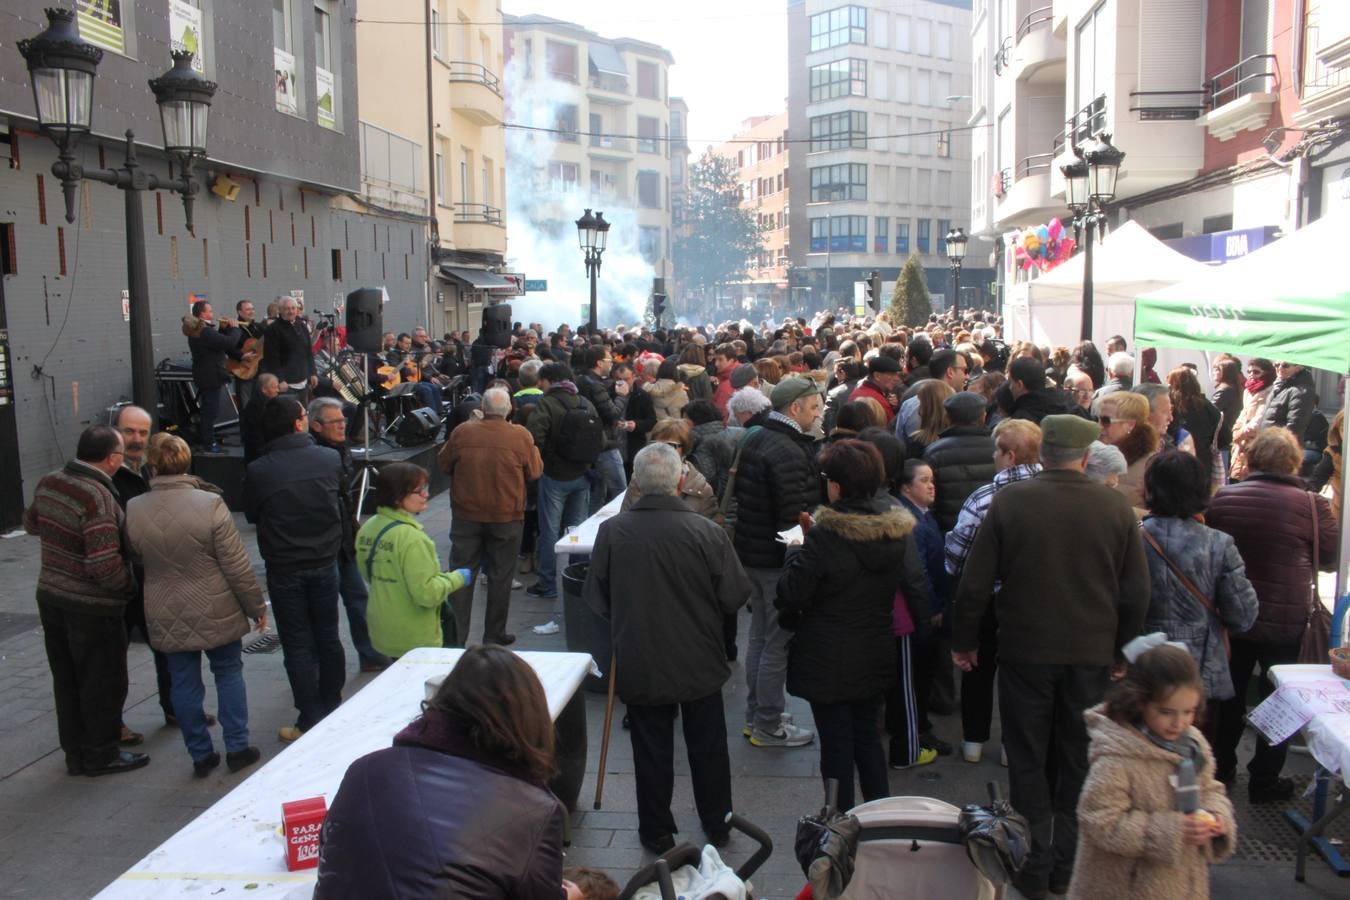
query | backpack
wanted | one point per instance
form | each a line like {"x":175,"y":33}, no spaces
{"x":581,"y":434}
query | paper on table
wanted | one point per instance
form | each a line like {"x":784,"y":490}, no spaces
{"x":793,"y":536}
{"x":1280,"y":715}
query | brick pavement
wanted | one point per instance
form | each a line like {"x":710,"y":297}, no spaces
{"x":63,"y":837}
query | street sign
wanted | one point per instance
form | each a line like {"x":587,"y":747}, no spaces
{"x":536,"y":285}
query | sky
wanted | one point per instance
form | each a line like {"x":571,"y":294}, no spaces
{"x":730,"y":55}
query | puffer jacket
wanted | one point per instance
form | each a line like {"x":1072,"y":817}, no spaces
{"x":1245,"y":428}
{"x":962,"y":459}
{"x":1270,"y":519}
{"x":293,"y":493}
{"x":668,"y":398}
{"x":1129,"y":829}
{"x":778,"y":480}
{"x":715,"y":452}
{"x":1210,"y":559}
{"x":592,"y":387}
{"x":482,"y":831}
{"x":545,"y":425}
{"x":837,"y":595}
{"x":696,"y":378}
{"x":1292,"y":402}
{"x":200,"y":589}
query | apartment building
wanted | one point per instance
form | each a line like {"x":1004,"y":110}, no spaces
{"x":605,"y":138}
{"x":282,"y":149}
{"x":879,"y":152}
{"x":432,"y":144}
{"x":759,"y":151}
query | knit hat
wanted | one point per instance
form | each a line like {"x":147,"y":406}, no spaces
{"x":1070,"y":432}
{"x":742,"y":375}
{"x":790,"y":389}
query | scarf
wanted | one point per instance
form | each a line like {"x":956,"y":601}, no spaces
{"x":1185,"y":746}
{"x":1257,"y":385}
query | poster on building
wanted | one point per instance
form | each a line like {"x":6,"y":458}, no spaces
{"x":185,"y":33}
{"x":100,"y":23}
{"x":195,"y":298}
{"x":323,"y":89}
{"x":126,"y":306}
{"x":284,"y":73}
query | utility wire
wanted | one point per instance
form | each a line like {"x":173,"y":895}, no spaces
{"x":518,"y":126}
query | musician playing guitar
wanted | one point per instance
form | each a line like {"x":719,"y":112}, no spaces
{"x":210,"y":347}
{"x":403,"y":359}
{"x":246,"y":370}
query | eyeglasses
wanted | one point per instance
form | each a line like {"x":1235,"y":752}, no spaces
{"x":338,"y":421}
{"x":1104,"y":421}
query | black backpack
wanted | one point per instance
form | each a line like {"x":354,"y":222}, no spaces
{"x":581,"y":434}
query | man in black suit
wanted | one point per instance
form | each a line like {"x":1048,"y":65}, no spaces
{"x":210,"y":347}
{"x":287,"y":352}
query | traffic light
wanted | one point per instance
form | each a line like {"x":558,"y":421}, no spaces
{"x":874,"y":291}
{"x":658,"y":305}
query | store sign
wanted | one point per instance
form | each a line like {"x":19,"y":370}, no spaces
{"x":284,"y":73}
{"x":100,"y":23}
{"x":323,"y":88}
{"x":536,"y":285}
{"x":1224,"y":246}
{"x":185,"y":33}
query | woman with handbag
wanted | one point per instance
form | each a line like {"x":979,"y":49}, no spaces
{"x":1200,"y":592}
{"x":1285,"y":535}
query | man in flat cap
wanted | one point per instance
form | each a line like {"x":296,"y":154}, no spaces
{"x":883,"y":377}
{"x":1073,"y":587}
{"x":744,"y":376}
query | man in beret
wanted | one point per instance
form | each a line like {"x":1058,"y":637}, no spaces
{"x":883,"y":377}
{"x":1073,"y":587}
{"x":744,"y":376}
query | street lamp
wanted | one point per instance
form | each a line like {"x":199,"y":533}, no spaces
{"x":956,"y":252}
{"x":1089,"y":187}
{"x":62,"y":68}
{"x":592,"y":235}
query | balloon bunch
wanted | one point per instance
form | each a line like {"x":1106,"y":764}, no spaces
{"x":1044,"y":247}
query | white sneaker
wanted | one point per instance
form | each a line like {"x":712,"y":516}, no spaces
{"x":549,"y":627}
{"x":1003,"y":757}
{"x":516,"y":585}
{"x":972,"y":751}
{"x":787,"y":736}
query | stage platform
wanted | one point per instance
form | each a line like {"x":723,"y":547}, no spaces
{"x":226,"y":469}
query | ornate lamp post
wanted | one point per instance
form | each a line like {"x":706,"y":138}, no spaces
{"x":592,"y":234}
{"x":955,"y":242}
{"x":1089,"y":188}
{"x":62,"y":68}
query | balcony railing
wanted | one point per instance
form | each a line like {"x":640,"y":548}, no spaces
{"x":1036,"y":164}
{"x":1001,"y":56}
{"x":1034,"y":19}
{"x":477,"y":214}
{"x":1082,"y":125}
{"x":1168,"y":106}
{"x":1244,"y":78}
{"x":611,"y":83}
{"x":610,"y":142}
{"x":475,"y":73}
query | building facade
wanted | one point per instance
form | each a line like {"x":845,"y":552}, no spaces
{"x":268,"y":220}
{"x":759,"y":152}
{"x":879,"y":152}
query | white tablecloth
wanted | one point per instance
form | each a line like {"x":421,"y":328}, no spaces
{"x":586,"y":531}
{"x":235,"y":848}
{"x":1327,"y":733}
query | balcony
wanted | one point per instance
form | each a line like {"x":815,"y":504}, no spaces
{"x":1082,"y":125}
{"x":1026,"y":197}
{"x":476,"y":93}
{"x":477,"y":213}
{"x":1037,"y":55}
{"x":1241,"y":98}
{"x":609,"y":86}
{"x":604,"y":144}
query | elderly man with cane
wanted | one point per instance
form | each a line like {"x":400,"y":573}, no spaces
{"x":665,"y":577}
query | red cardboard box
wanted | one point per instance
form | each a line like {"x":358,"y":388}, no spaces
{"x":301,"y":821}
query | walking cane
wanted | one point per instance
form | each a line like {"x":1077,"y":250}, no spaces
{"x":604,"y":738}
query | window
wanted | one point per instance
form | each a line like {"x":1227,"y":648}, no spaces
{"x":649,"y":242}
{"x":1092,"y":58}
{"x":844,"y":25}
{"x":943,"y":227}
{"x":677,"y":170}
{"x":944,"y":144}
{"x":881,"y":80}
{"x":922,"y":239}
{"x":487,"y":181}
{"x":882,"y":29}
{"x":9,"y":258}
{"x":565,"y":123}
{"x":563,"y":175}
{"x":281,"y":24}
{"x":436,"y":42}
{"x":942,"y":188}
{"x":923,"y":34}
{"x":676,"y":124}
{"x":649,"y":190}
{"x":847,"y":181}
{"x":841,"y":78}
{"x":923,"y":136}
{"x":902,"y":33}
{"x":839,"y":234}
{"x":881,"y":235}
{"x":923,"y":187}
{"x":321,"y":38}
{"x":648,"y":80}
{"x":839,"y":131}
{"x":944,"y":40}
{"x":942,"y":87}
{"x":325,"y":64}
{"x":881,"y":184}
{"x":902,"y":84}
{"x":465,"y":175}
{"x":440,"y":180}
{"x":529,"y":58}
{"x":649,"y":131}
{"x":902,"y":236}
{"x":901,"y":183}
{"x":900,"y":142}
{"x":1212,"y":224}
{"x":923,"y":93}
{"x":561,"y":60}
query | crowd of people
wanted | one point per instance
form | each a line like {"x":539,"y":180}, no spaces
{"x":914,"y":517}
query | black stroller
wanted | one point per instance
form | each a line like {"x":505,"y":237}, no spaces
{"x":659,"y":872}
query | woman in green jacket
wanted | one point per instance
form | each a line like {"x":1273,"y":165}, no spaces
{"x":398,"y":561}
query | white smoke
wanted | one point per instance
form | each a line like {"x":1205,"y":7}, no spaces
{"x":541,"y":235}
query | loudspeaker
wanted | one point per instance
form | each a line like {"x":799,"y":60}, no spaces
{"x":365,"y":319}
{"x":417,"y":427}
{"x":497,"y":325}
{"x":224,"y":186}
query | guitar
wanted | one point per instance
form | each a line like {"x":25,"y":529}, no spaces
{"x":247,"y":369}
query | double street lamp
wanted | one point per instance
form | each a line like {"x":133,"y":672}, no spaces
{"x":62,"y":68}
{"x":592,"y":234}
{"x":1089,"y":188}
{"x":955,"y":242}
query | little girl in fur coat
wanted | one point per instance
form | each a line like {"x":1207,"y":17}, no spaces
{"x":1132,"y":840}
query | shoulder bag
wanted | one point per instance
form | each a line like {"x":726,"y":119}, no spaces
{"x":728,"y":492}
{"x":1190,"y":587}
{"x":1317,"y":631}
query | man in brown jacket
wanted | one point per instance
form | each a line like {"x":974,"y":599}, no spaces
{"x":489,"y":462}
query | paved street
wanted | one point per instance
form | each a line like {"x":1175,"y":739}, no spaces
{"x":64,"y":837}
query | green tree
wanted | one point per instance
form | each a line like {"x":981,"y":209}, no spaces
{"x":716,"y":238}
{"x":910,"y":302}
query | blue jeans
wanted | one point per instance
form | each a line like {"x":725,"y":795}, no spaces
{"x":608,"y":478}
{"x":304,"y":603}
{"x":561,"y":503}
{"x":187,"y":691}
{"x":355,"y":597}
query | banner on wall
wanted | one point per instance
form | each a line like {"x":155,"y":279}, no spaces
{"x":185,"y":33}
{"x":283,"y":64}
{"x":323,"y":89}
{"x":100,"y":23}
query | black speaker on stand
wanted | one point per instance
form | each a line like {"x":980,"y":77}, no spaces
{"x":365,"y":319}
{"x":497,"y":325}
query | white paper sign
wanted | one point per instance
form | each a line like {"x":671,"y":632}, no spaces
{"x":185,"y":32}
{"x":284,"y":73}
{"x":323,"y":89}
{"x":1279,"y":715}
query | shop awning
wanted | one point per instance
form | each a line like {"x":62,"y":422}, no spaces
{"x":478,"y":279}
{"x":607,"y":60}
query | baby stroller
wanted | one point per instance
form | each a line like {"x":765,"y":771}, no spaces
{"x":685,"y":862}
{"x":912,"y":847}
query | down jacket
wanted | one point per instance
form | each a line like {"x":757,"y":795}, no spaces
{"x":668,"y":398}
{"x":1210,"y":559}
{"x":962,"y":459}
{"x":1129,"y":829}
{"x":837,"y":595}
{"x":200,"y":590}
{"x":1271,"y":521}
{"x":777,"y":481}
{"x":1292,"y":403}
